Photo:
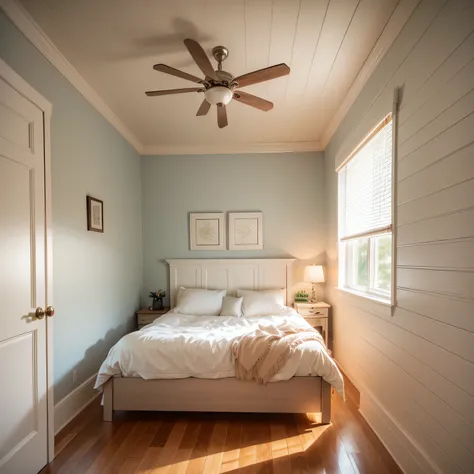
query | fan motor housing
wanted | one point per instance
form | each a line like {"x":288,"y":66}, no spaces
{"x":225,"y":76}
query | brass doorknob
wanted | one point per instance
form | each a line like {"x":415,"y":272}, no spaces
{"x":39,"y":313}
{"x":49,"y":311}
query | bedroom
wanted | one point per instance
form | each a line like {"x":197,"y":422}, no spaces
{"x":79,"y":72}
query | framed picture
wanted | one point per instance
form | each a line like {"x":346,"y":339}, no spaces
{"x":245,"y":230}
{"x":206,"y":231}
{"x":95,"y":214}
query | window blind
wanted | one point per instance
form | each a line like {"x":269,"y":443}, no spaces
{"x":365,"y":186}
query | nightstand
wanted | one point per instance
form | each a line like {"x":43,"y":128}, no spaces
{"x":146,"y":316}
{"x":317,"y":314}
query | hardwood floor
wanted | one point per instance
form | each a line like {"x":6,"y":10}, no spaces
{"x":211,"y":443}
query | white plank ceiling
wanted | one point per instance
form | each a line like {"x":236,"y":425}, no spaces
{"x":113,"y":44}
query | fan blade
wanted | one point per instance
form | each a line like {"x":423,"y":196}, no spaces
{"x":263,"y":75}
{"x":173,"y":91}
{"x":176,"y":72}
{"x":204,"y":109}
{"x":200,"y":58}
{"x":253,"y":101}
{"x":221,"y":116}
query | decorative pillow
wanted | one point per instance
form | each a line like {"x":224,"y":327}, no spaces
{"x":231,"y":306}
{"x":259,"y":303}
{"x":199,"y":302}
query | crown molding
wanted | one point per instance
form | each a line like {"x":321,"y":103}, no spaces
{"x":27,"y":25}
{"x":228,"y":149}
{"x":394,"y":26}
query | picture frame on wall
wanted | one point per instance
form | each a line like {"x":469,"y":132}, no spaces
{"x":245,"y":230}
{"x":95,"y":214}
{"x":207,"y":231}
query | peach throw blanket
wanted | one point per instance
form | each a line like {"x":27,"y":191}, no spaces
{"x":259,"y":355}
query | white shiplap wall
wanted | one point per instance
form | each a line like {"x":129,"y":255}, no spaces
{"x":415,"y":367}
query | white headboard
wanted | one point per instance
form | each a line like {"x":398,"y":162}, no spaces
{"x":230,"y":275}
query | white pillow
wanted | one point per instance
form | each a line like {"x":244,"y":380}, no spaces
{"x":259,"y":303}
{"x":232,"y":306}
{"x":199,"y":302}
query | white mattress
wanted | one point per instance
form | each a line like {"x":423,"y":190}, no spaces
{"x":179,"y":346}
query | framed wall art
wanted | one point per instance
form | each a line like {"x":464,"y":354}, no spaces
{"x":95,"y":214}
{"x":206,"y":231}
{"x":245,"y":230}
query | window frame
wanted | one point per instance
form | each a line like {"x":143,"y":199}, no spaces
{"x":370,"y":291}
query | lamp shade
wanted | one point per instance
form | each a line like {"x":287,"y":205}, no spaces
{"x":314,"y":274}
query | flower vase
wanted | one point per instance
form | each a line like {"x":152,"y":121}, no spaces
{"x":157,"y":304}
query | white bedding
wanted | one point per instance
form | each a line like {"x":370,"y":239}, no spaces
{"x":180,"y":346}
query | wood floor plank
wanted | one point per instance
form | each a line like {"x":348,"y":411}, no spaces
{"x":230,"y":458}
{"x":185,"y":449}
{"x":216,"y":448}
{"x":160,"y":463}
{"x":280,"y":456}
{"x":200,"y":450}
{"x":203,"y":443}
{"x":127,"y":446}
{"x":110,"y":449}
{"x":295,"y":449}
{"x":248,"y":448}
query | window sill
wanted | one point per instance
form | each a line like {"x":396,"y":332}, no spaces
{"x":366,"y":296}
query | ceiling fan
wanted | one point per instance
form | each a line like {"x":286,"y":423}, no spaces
{"x":220,"y":87}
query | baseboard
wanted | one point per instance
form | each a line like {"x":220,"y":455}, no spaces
{"x":404,"y":450}
{"x":73,"y":403}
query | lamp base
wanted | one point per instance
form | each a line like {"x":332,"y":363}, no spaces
{"x":313,"y":293}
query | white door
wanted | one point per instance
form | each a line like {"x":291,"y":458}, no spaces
{"x":23,"y":412}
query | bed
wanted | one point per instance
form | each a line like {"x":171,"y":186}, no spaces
{"x":144,"y":371}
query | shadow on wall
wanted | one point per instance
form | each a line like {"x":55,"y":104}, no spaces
{"x":92,"y":360}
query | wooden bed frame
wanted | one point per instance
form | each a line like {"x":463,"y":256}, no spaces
{"x":297,"y":395}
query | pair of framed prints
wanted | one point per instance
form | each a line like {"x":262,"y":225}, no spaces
{"x":207,"y":231}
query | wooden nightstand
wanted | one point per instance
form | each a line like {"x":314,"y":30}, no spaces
{"x":317,"y":314}
{"x":146,"y":316}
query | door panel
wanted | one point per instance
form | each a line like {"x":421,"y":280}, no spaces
{"x":23,"y":429}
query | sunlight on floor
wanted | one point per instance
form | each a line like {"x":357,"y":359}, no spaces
{"x":229,"y":461}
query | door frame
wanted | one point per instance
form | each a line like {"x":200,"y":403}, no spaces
{"x":29,"y":93}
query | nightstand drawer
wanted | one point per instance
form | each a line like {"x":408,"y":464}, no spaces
{"x":319,"y":310}
{"x":313,"y":311}
{"x":146,"y":316}
{"x":144,"y":319}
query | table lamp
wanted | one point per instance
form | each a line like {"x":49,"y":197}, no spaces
{"x":314,"y":274}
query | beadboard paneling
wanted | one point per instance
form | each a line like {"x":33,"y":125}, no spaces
{"x":453,"y":138}
{"x":451,"y":311}
{"x":416,"y":362}
{"x":459,"y":197}
{"x":454,"y":255}
{"x":454,"y":169}
{"x":458,"y":225}
{"x":442,"y":282}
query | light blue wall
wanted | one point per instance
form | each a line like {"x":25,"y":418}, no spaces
{"x":97,"y":277}
{"x":288,"y":188}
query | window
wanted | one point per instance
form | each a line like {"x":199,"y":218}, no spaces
{"x":365,"y":216}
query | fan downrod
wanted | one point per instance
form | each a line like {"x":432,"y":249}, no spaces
{"x":220,"y":54}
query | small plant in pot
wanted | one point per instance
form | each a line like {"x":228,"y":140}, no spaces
{"x":301,"y":297}
{"x":157,"y":297}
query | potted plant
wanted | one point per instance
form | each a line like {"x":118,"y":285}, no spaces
{"x":301,"y":296}
{"x":157,"y":297}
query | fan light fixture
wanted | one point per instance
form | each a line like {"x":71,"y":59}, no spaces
{"x":218,"y":95}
